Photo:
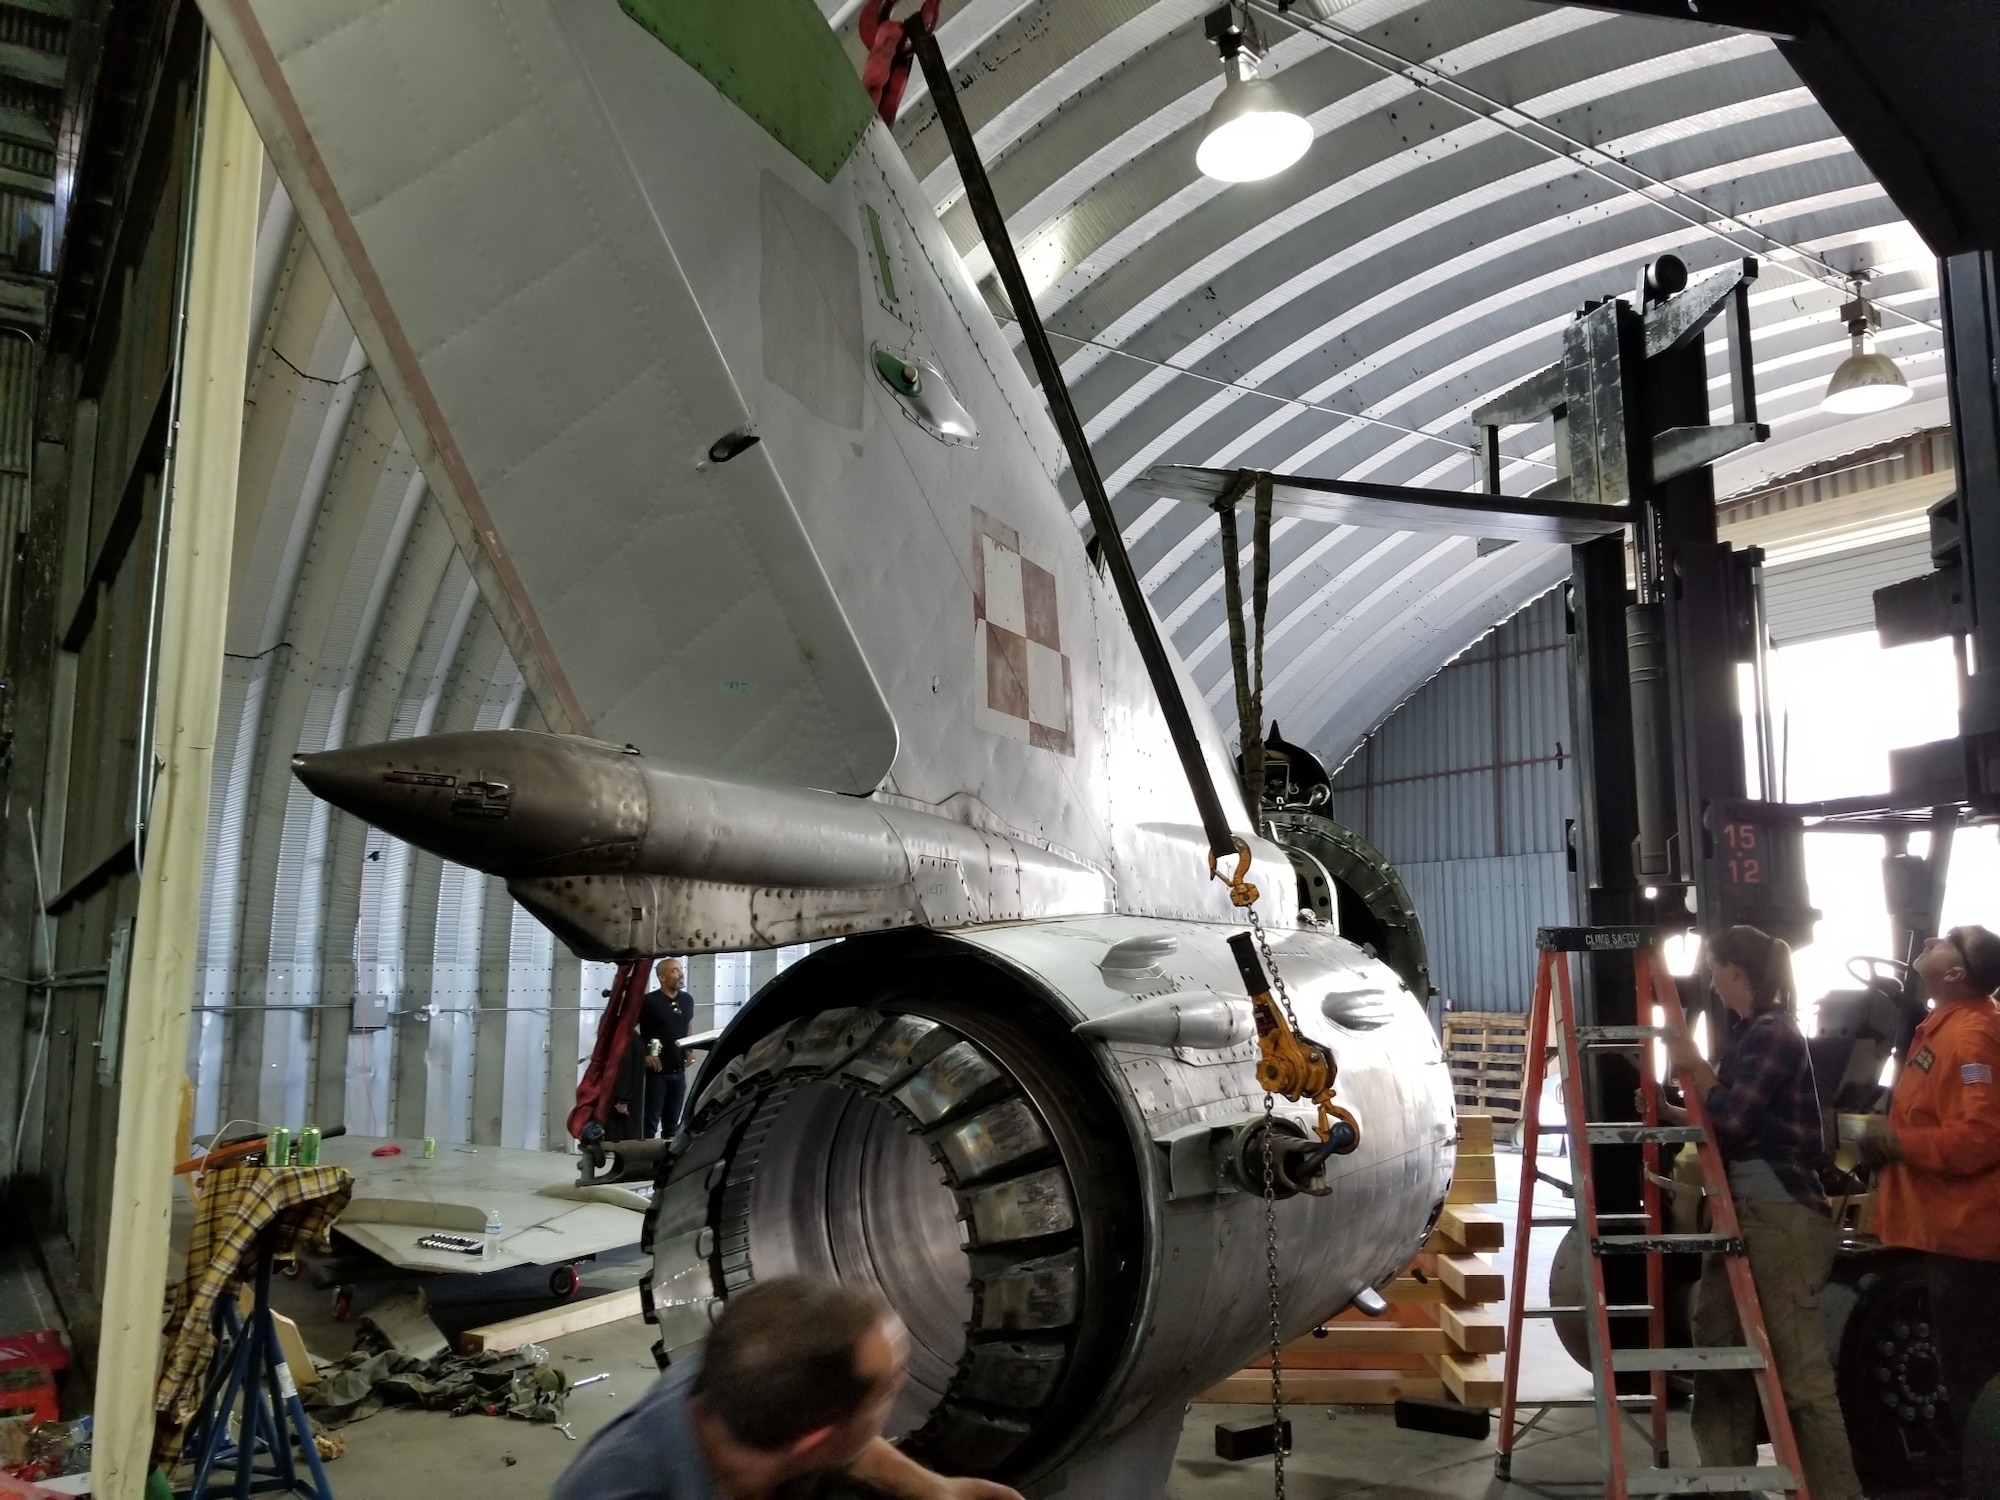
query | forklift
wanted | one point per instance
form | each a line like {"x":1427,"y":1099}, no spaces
{"x":1664,"y":620}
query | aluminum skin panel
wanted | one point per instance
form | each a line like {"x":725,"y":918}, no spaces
{"x":542,"y":348}
{"x":912,"y":529}
{"x":749,"y":612}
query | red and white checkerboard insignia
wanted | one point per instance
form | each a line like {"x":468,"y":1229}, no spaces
{"x":1020,"y":679}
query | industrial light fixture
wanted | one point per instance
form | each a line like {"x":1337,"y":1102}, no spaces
{"x":1252,"y":132}
{"x":1866,"y":381}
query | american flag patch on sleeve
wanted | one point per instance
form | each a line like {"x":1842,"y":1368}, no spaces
{"x":1975,"y":1073}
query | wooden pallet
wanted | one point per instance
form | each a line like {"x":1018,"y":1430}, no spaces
{"x":1488,"y":1054}
{"x":1445,"y":1318}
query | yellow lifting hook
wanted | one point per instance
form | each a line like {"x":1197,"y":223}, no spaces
{"x":1241,"y":891}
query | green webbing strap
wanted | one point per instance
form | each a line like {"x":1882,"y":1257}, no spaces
{"x":1249,"y":675}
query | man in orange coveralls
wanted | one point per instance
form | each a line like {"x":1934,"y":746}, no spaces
{"x":1939,"y":1151}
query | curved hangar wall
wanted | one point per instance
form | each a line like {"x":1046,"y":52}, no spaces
{"x":1062,"y":1222}
{"x":352,"y":619}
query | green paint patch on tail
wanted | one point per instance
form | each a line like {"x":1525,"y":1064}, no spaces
{"x":777,"y":61}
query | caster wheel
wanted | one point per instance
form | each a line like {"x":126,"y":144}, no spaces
{"x":290,"y":1269}
{"x":563,"y":1281}
{"x":343,"y":1304}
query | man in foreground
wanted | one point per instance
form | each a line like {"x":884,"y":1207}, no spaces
{"x":790,"y":1392}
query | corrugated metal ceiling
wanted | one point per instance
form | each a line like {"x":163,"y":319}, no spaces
{"x":1482,"y":167}
{"x":1340,"y":320}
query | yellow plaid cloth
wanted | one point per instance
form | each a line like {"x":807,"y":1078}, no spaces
{"x":239,"y":1209}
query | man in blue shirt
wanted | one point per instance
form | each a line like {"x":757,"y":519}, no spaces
{"x":792,"y":1388}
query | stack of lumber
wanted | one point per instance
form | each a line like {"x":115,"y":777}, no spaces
{"x":1488,"y":1054}
{"x":1446,"y":1314}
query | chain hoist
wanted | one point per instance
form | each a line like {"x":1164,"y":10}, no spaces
{"x":1297,"y":1068}
{"x":1278,"y":1044}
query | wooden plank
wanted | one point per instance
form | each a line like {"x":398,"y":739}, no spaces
{"x":1328,"y":1388}
{"x":1472,"y":1330}
{"x":297,"y":1360}
{"x":1472,"y":1190}
{"x":1309,"y":1359}
{"x":1472,"y":1277}
{"x":539,"y":1328}
{"x":1371,"y":1338}
{"x":1487,"y":1053}
{"x":1472,"y":1381}
{"x":1441,"y":1243}
{"x":1473,"y":1228}
{"x":1475,"y":1132}
{"x":1409,"y":1289}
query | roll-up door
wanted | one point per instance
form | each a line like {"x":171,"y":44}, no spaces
{"x":1834,"y":594}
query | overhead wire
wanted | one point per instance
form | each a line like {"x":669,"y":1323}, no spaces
{"x":1251,"y":390}
{"x":1588,"y":158}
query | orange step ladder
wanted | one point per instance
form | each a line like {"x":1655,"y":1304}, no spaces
{"x":1553,"y":1027}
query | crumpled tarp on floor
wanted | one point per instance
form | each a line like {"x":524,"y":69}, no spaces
{"x":376,"y":1375}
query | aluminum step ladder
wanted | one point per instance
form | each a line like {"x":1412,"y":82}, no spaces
{"x":1553,"y":1027}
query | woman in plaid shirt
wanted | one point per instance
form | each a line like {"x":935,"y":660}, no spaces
{"x":1765,"y":1113}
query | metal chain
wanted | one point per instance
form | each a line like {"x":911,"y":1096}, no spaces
{"x":1271,"y":1223}
{"x":1271,"y":1278}
{"x":1271,"y":967}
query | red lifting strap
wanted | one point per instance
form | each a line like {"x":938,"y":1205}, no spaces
{"x":597,"y":1090}
{"x":891,"y":50}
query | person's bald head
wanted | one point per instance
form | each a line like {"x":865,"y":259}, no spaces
{"x":670,"y":974}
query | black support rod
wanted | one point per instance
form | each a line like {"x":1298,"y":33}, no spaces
{"x":1152,"y":650}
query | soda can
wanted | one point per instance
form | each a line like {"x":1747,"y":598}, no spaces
{"x":309,"y":1146}
{"x":278,"y":1147}
{"x":430,"y":1148}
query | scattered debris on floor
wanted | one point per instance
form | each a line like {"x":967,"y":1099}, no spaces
{"x":35,"y":1452}
{"x":402,"y":1365}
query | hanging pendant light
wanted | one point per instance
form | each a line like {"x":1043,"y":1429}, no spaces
{"x":1865,"y":381}
{"x":1252,"y":132}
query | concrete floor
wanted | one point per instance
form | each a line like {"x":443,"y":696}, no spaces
{"x":1342,"y":1451}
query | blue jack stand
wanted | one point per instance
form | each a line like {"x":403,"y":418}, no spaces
{"x":248,"y":1377}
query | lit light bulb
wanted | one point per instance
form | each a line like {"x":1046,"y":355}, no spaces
{"x":1865,"y":381}
{"x":1252,"y":131}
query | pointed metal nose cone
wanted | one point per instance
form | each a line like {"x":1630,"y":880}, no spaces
{"x":504,"y":801}
{"x":404,"y":788}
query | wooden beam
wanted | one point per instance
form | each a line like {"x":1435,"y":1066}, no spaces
{"x":1328,"y":1388}
{"x":1472,"y":1277}
{"x":1332,"y":1359}
{"x":1472,"y":1331}
{"x":1475,"y":1166}
{"x":1371,"y":1338}
{"x":539,"y":1328}
{"x":1409,"y":1289}
{"x":1472,"y":1381}
{"x":1473,"y":1228}
{"x":1475,"y":1133}
{"x":194,"y":609}
{"x":1474,"y":1182}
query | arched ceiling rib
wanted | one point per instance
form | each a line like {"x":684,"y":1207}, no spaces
{"x":1481,"y":168}
{"x":1340,"y":320}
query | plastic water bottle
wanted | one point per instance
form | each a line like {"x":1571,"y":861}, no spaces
{"x":492,"y":1233}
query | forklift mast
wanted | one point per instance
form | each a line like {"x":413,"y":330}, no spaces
{"x":1663,"y":621}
